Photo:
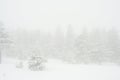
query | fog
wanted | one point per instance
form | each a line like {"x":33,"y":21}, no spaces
{"x":52,"y":25}
{"x":46,"y":15}
{"x":66,"y":39}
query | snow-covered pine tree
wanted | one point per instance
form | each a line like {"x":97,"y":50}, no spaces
{"x":98,"y":50}
{"x":69,"y":44}
{"x":92,"y":47}
{"x":81,"y":47}
{"x":114,"y":44}
{"x":3,"y":40}
{"x":59,"y":41}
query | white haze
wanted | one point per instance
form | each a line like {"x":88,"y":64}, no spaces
{"x":90,"y":56}
{"x":46,"y":15}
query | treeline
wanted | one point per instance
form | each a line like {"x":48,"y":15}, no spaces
{"x":95,"y":46}
{"x":98,"y":46}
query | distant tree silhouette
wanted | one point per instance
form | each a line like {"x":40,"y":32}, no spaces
{"x":59,"y":38}
{"x":3,"y":40}
{"x":98,"y":46}
{"x":69,"y":36}
{"x":81,"y":46}
{"x":114,"y":44}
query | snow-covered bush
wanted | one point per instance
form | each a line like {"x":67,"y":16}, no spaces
{"x":36,"y":63}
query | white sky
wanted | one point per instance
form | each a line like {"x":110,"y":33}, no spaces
{"x":47,"y":14}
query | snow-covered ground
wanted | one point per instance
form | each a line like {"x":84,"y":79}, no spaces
{"x":58,"y":70}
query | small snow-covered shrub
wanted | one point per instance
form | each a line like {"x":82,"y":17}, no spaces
{"x":36,"y":63}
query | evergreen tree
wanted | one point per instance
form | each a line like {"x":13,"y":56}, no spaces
{"x":81,"y":46}
{"x":59,"y":41}
{"x":98,"y":51}
{"x":92,"y":47}
{"x":114,"y":44}
{"x":59,"y":37}
{"x":3,"y":40}
{"x":70,"y":36}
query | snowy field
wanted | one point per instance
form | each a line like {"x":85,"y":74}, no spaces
{"x":58,"y":70}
